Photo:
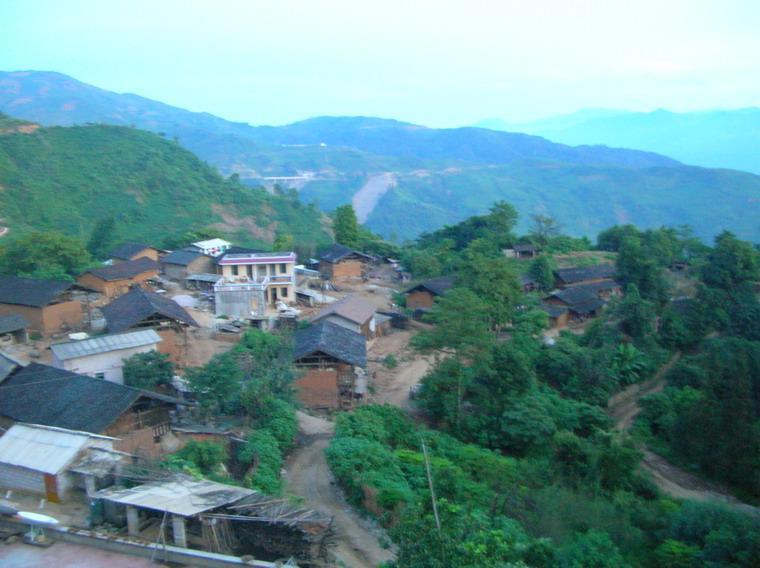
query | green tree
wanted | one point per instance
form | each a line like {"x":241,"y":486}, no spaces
{"x":543,"y":229}
{"x":102,"y":237}
{"x":45,"y":255}
{"x":148,"y":370}
{"x":542,"y":271}
{"x":283,"y":242}
{"x":731,"y":263}
{"x":593,"y":549}
{"x":346,"y":226}
{"x":217,"y":383}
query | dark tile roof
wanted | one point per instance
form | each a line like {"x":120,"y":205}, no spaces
{"x":124,"y":270}
{"x":30,"y":291}
{"x":579,"y":299}
{"x":338,"y":252}
{"x":12,"y":322}
{"x":126,"y":251}
{"x":524,"y":247}
{"x":580,"y":274}
{"x":351,"y":308}
{"x":181,"y":257}
{"x":525,"y":280}
{"x":40,"y":394}
{"x":137,"y":305}
{"x":436,"y":286}
{"x":332,"y":339}
{"x":552,"y":310}
{"x":7,"y":366}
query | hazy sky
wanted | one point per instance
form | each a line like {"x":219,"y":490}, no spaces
{"x":440,"y":63}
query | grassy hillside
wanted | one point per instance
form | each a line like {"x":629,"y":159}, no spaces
{"x":69,"y":178}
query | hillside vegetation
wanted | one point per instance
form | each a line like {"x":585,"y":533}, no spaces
{"x":67,"y":179}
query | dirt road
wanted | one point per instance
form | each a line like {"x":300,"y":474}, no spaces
{"x":356,"y":539}
{"x":365,"y":200}
{"x":392,"y":386}
{"x":624,"y":407}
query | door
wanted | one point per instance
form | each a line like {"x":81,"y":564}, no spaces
{"x":51,"y":488}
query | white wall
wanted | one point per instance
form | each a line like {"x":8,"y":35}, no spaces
{"x":110,"y":363}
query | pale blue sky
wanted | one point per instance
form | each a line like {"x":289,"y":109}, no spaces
{"x":440,"y":63}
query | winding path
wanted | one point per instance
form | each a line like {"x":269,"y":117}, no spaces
{"x":624,"y":407}
{"x":356,"y":540}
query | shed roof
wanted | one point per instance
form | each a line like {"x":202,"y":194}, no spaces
{"x":43,"y":448}
{"x":338,"y":252}
{"x":552,"y":310}
{"x":137,"y":305}
{"x":351,"y":308}
{"x":524,"y":247}
{"x":580,"y":300}
{"x":12,"y":322}
{"x":30,"y":291}
{"x":7,"y":366}
{"x":580,"y":274}
{"x":181,"y":257}
{"x":182,"y":495}
{"x":203,"y":277}
{"x":126,"y":251}
{"x":436,"y":286}
{"x":331,"y":339}
{"x":104,"y":344}
{"x":124,"y":270}
{"x":40,"y":394}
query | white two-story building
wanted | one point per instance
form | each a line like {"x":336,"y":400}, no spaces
{"x":251,"y":285}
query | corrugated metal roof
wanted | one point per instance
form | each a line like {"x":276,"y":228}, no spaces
{"x":43,"y":448}
{"x":180,"y":496}
{"x":104,"y":344}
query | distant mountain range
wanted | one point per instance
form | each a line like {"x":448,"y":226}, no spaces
{"x":715,"y":139}
{"x":404,"y":178}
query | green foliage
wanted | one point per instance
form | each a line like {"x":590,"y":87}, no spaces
{"x":148,"y":370}
{"x":153,"y":188}
{"x":543,"y":229}
{"x":390,"y":361}
{"x":593,"y":549}
{"x":731,"y":263}
{"x":217,"y":383}
{"x":262,"y":451}
{"x":197,"y":458}
{"x":542,"y":271}
{"x":44,"y":255}
{"x":102,"y":237}
{"x":346,"y":226}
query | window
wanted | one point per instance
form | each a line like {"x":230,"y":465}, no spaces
{"x":283,"y":292}
{"x":100,"y":376}
{"x":283,"y":268}
{"x":234,"y":270}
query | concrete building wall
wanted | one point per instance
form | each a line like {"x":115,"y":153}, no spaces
{"x":111,"y":364}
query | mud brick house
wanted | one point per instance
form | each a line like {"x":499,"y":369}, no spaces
{"x":528,"y":284}
{"x":424,"y":294}
{"x":558,"y":315}
{"x":178,"y":265}
{"x":567,"y":277}
{"x":330,"y":357}
{"x":141,"y":309}
{"x":352,"y":313}
{"x":132,"y":251}
{"x":103,"y":356}
{"x":46,"y":304}
{"x":342,"y":264}
{"x":117,"y":279}
{"x":40,"y":394}
{"x":581,"y":303}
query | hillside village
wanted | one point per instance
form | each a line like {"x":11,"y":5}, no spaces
{"x":172,"y":399}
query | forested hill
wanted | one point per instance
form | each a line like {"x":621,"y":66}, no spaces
{"x":406,"y":179}
{"x":68,"y":179}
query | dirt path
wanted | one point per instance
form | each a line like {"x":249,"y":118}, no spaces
{"x":356,"y":539}
{"x":624,"y":407}
{"x":365,"y":200}
{"x":392,"y":386}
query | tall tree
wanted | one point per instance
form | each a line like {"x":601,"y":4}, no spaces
{"x":543,"y":229}
{"x":45,"y":255}
{"x":346,"y":226}
{"x":542,"y":271}
{"x":102,"y":237}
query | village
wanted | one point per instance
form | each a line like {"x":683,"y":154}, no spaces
{"x":74,"y":432}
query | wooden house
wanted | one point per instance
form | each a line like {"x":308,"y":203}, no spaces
{"x":350,"y":312}
{"x":342,"y":264}
{"x":117,"y":279}
{"x":558,"y":315}
{"x":178,"y":265}
{"x":132,"y":251}
{"x":330,"y":357}
{"x":568,"y":277}
{"x":424,"y":294}
{"x":40,"y":394}
{"x":47,"y":305}
{"x":141,"y":309}
{"x":581,"y":303}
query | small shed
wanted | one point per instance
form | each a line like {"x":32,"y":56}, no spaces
{"x":567,"y":277}
{"x":13,"y":329}
{"x":118,"y":279}
{"x":581,"y":303}
{"x":103,"y":356}
{"x":340,"y":263}
{"x":179,"y":264}
{"x":180,"y":496}
{"x":38,"y":459}
{"x":204,"y":282}
{"x":132,"y":251}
